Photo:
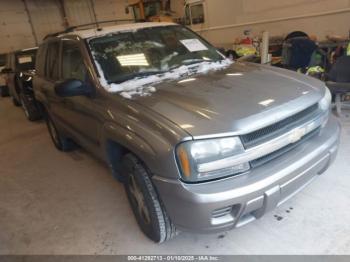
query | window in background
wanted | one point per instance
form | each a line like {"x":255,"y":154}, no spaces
{"x":194,"y":14}
{"x":197,"y":14}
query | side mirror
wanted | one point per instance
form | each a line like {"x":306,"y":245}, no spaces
{"x":6,"y":70}
{"x":72,"y":87}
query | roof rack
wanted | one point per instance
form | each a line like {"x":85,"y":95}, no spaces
{"x":95,"y":24}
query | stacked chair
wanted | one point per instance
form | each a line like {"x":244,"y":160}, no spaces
{"x":339,"y":83}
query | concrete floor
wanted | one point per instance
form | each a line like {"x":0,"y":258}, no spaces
{"x":59,"y":203}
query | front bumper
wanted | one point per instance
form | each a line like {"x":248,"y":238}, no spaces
{"x":235,"y":201}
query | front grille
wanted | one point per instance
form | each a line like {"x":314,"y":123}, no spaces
{"x":267,"y":133}
{"x":263,"y":160}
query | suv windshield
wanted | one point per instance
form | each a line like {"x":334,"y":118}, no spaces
{"x":127,"y":55}
{"x":25,"y":60}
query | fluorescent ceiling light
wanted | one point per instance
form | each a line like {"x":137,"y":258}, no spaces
{"x":133,"y":60}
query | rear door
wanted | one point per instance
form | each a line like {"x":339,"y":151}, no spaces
{"x":50,"y":76}
{"x":10,"y":77}
{"x":39,"y":79}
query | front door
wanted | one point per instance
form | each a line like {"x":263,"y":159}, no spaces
{"x":79,"y":113}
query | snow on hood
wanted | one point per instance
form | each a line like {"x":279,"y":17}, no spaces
{"x":142,"y":86}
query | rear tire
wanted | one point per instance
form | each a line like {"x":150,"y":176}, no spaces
{"x":15,"y":102}
{"x":149,"y":212}
{"x":4,"y":91}
{"x":61,"y":143}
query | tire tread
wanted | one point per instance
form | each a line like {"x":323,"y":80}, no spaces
{"x":167,"y":229}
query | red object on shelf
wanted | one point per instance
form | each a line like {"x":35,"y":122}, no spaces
{"x":247,"y":41}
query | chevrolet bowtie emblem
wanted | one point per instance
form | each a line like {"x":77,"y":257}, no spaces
{"x":296,"y":135}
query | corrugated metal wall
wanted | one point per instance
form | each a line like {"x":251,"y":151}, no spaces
{"x":47,"y":16}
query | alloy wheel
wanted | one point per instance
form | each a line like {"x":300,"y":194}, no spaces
{"x":138,"y":200}
{"x":25,"y":108}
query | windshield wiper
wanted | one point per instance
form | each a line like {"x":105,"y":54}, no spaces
{"x":195,"y":61}
{"x":136,"y":75}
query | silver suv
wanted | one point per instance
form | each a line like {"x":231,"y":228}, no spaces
{"x":200,"y":143}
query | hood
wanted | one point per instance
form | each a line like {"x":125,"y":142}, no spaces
{"x":234,"y":101}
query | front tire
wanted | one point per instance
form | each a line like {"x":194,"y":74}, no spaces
{"x":145,"y":203}
{"x":61,"y":143}
{"x":30,"y":110}
{"x":15,"y":102}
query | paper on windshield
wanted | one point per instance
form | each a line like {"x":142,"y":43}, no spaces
{"x":24,"y":59}
{"x":194,"y":45}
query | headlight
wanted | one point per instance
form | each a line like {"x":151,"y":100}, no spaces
{"x":325,"y":103}
{"x":209,"y":159}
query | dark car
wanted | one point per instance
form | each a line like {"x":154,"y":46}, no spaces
{"x":201,"y":143}
{"x":3,"y":81}
{"x":19,"y":69}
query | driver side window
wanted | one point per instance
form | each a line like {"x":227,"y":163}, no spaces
{"x":72,"y":61}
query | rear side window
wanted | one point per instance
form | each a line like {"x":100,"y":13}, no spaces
{"x":40,"y":60}
{"x":25,"y":60}
{"x":2,"y":60}
{"x":72,"y":61}
{"x":52,"y":61}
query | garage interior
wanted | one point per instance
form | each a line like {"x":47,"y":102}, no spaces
{"x":59,"y":203}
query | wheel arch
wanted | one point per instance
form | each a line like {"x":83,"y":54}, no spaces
{"x":118,"y":141}
{"x":17,"y":84}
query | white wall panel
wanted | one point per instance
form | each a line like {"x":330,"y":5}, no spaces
{"x":46,"y":17}
{"x":111,"y":10}
{"x":15,"y":31}
{"x":254,"y":10}
{"x":227,"y":19}
{"x":79,"y":12}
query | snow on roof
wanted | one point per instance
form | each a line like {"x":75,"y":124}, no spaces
{"x":94,"y":32}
